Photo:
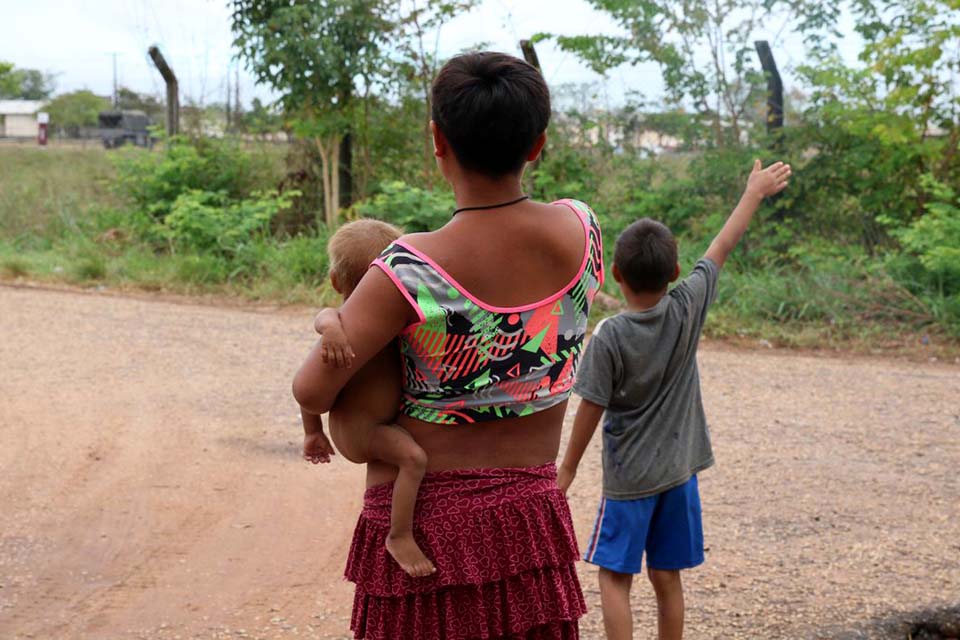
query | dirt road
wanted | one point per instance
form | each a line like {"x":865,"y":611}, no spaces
{"x":150,"y":484}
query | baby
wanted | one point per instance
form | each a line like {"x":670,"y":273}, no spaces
{"x":361,"y":421}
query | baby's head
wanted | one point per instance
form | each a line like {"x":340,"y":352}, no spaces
{"x":492,"y":109}
{"x":353,"y":247}
{"x":645,"y":257}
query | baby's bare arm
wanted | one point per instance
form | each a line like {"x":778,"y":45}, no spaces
{"x":316,"y":446}
{"x":335,"y":349}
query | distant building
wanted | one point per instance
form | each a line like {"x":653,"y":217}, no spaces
{"x":18,"y":118}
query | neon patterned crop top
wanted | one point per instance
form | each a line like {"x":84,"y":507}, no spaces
{"x":466,"y":361}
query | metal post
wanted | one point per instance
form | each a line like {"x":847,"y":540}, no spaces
{"x":173,"y":93}
{"x":774,"y":87}
{"x":530,"y":55}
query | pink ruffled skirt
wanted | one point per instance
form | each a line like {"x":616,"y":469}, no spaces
{"x":504,"y":547}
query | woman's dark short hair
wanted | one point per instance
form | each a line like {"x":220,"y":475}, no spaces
{"x":491,"y":107}
{"x":646,"y":256}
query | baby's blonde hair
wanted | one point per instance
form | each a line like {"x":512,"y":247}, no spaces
{"x":355,"y":245}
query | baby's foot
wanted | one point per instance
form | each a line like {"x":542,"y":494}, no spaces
{"x":405,"y":551}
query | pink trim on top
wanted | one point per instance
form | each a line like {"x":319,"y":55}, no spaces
{"x":406,"y":294}
{"x":526,"y":307}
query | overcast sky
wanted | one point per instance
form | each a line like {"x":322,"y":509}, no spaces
{"x":76,"y":39}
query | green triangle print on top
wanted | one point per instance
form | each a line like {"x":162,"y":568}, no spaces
{"x":534,"y":344}
{"x":557,"y":309}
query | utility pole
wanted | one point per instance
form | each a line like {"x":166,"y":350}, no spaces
{"x":173,"y":91}
{"x":116,"y":95}
{"x":236,"y":97}
{"x":226,"y":102}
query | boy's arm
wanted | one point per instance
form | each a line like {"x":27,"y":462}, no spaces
{"x":584,"y":426}
{"x":316,"y":446}
{"x":334,"y":349}
{"x":761,"y":184}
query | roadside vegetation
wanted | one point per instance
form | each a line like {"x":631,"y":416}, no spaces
{"x":863,"y":249}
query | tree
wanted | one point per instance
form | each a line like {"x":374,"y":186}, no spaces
{"x":35,"y":84}
{"x":260,"y":119}
{"x":9,"y":83}
{"x":313,"y":52}
{"x":416,"y":21}
{"x":71,"y":111}
{"x":703,"y":49}
{"x":129,"y":99}
{"x":25,"y":84}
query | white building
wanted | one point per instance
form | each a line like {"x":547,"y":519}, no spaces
{"x":18,"y":118}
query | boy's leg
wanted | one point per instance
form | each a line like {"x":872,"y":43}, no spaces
{"x":393,"y":445}
{"x":616,"y":546}
{"x":615,"y":601}
{"x":669,"y":590}
{"x":674,"y":542}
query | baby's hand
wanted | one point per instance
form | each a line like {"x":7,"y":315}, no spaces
{"x":335,"y":348}
{"x":767,"y":182}
{"x":317,"y":448}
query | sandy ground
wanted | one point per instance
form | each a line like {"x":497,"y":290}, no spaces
{"x":150,"y":484}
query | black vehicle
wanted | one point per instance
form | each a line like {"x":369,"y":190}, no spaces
{"x":118,"y":128}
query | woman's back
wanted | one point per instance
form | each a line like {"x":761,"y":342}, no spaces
{"x":498,"y":336}
{"x":491,"y":311}
{"x":509,"y":257}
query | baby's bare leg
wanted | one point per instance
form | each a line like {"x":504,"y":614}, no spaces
{"x":393,"y":445}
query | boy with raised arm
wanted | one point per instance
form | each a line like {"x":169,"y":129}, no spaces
{"x":639,"y":372}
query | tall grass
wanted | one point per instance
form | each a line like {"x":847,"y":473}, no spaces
{"x":48,"y":191}
{"x":61,"y":221}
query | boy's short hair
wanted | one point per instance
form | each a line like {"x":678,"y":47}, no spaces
{"x":491,"y":107}
{"x":646,"y":256}
{"x":355,"y":245}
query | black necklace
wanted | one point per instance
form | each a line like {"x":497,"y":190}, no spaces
{"x":492,"y":206}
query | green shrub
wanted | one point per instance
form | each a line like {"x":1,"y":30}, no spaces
{"x":410,"y":208}
{"x":151,"y":181}
{"x":89,"y":266}
{"x":14,"y":267}
{"x":302,"y":259}
{"x":201,"y":269}
{"x":207,"y":221}
{"x":933,"y":240}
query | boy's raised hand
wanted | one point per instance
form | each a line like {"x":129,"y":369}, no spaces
{"x":764,"y":183}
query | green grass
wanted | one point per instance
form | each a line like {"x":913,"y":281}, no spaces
{"x":47,"y":191}
{"x":59,"y":222}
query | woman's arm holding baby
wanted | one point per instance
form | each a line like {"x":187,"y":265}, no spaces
{"x":374,"y":314}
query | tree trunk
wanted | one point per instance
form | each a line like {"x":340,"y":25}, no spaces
{"x":325,"y":179}
{"x":329,"y":172}
{"x":345,"y":171}
{"x":334,"y":213}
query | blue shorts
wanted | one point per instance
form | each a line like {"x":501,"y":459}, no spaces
{"x":667,"y":526}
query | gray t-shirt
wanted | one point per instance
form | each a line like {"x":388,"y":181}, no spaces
{"x":641,"y":366}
